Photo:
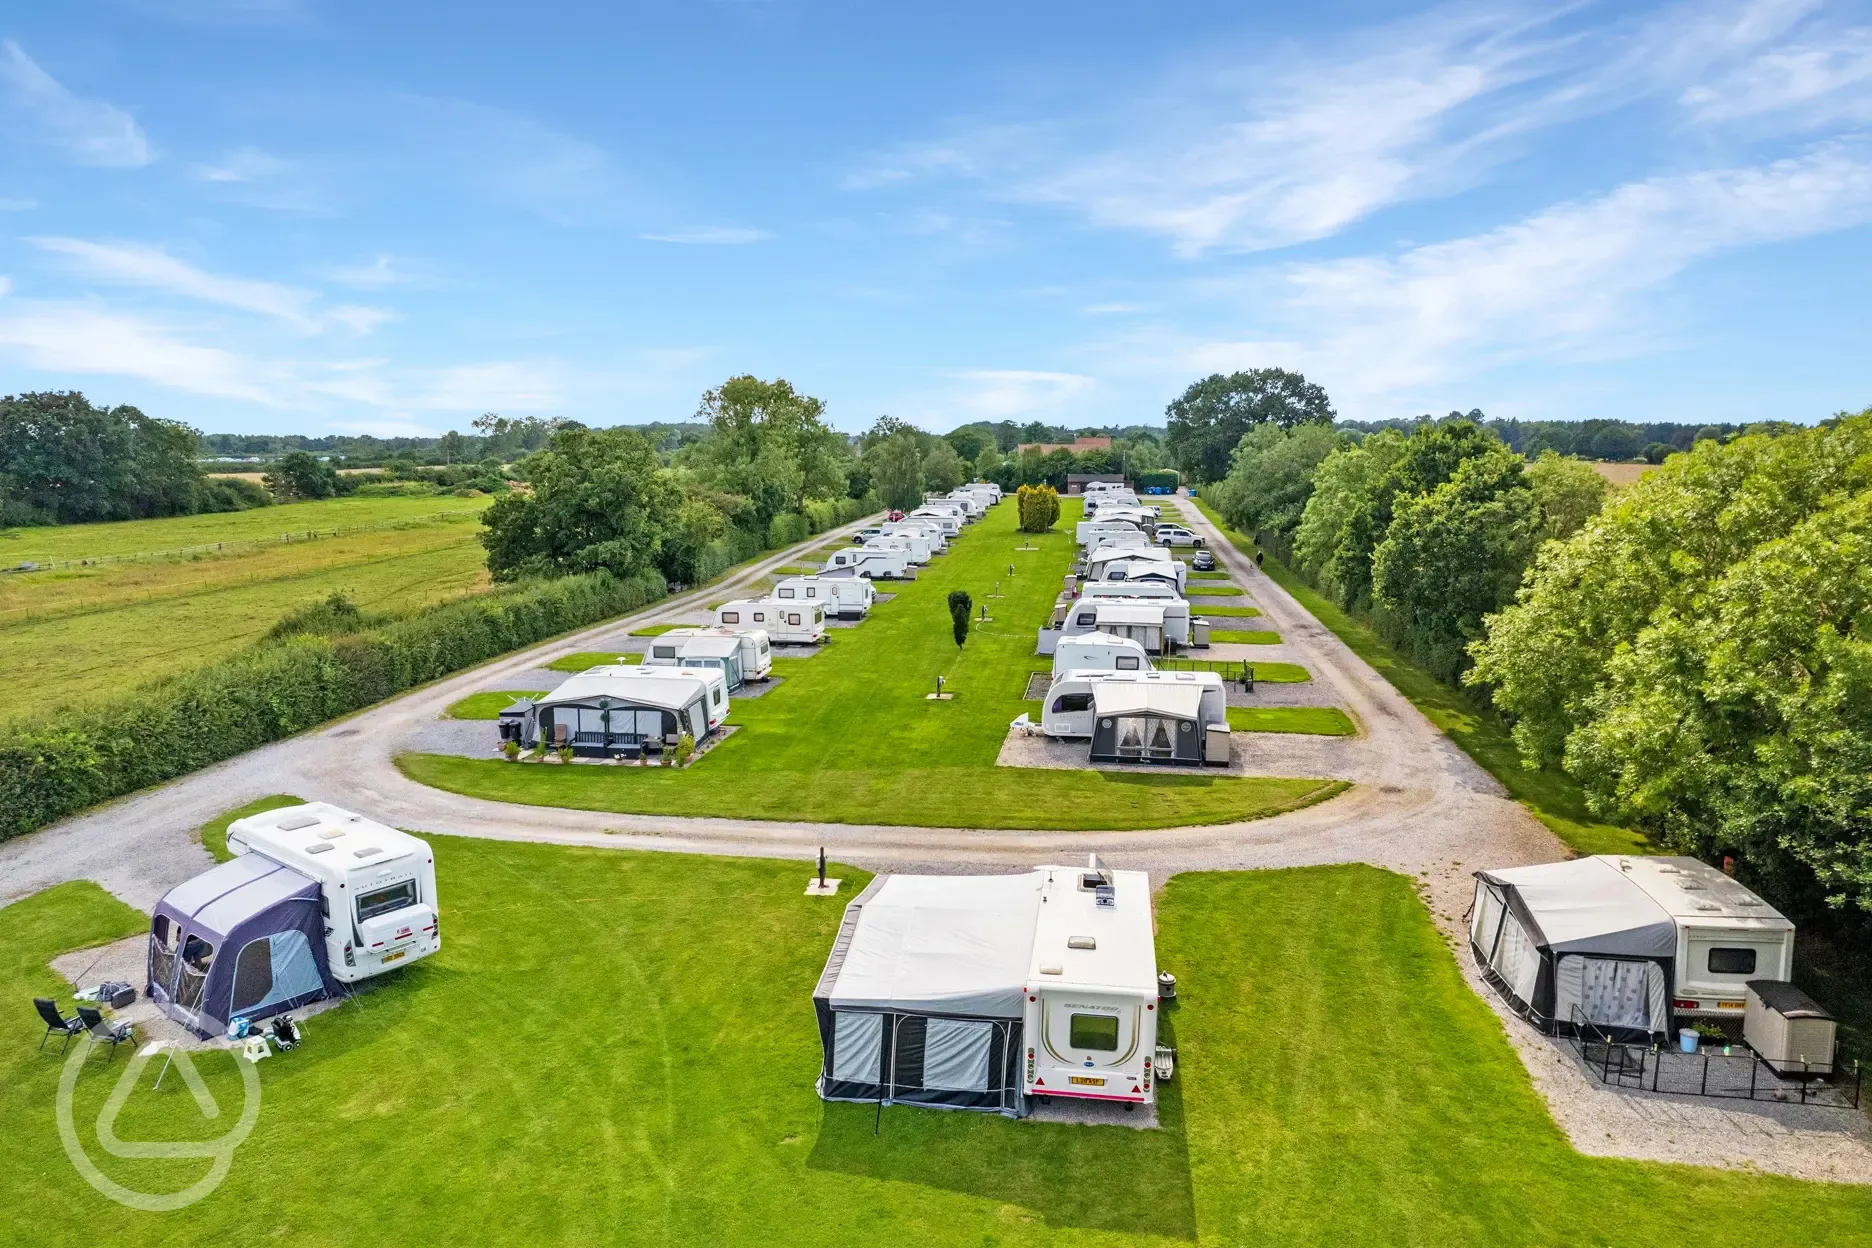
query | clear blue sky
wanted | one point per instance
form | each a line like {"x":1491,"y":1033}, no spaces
{"x":299,"y":215}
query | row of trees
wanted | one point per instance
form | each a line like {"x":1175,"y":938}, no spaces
{"x":1696,"y":651}
{"x":64,"y":460}
{"x":1700,"y":657}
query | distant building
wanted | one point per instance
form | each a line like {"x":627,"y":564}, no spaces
{"x":1077,"y":481}
{"x":1076,"y":446}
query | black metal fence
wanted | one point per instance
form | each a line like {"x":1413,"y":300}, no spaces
{"x":1237,"y":670}
{"x":1727,"y":1071}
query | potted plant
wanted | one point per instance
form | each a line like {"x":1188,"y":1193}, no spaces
{"x":511,"y":749}
{"x":685,"y":749}
{"x":565,"y":753}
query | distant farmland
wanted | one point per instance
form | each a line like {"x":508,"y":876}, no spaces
{"x":145,"y":611}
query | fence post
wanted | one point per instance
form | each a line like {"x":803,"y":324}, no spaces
{"x":1752,"y":1066}
{"x":1704,"y":1090}
{"x":1806,"y":1075}
{"x":1657,"y":1067}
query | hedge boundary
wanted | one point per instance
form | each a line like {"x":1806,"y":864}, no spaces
{"x":64,"y":760}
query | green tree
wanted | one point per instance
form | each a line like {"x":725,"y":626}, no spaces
{"x":692,"y":528}
{"x":600,"y":500}
{"x":1657,"y":452}
{"x":64,"y":460}
{"x":768,"y":443}
{"x":1038,"y":507}
{"x":1616,"y":443}
{"x":959,"y":607}
{"x":1452,"y":556}
{"x":988,"y":463}
{"x":301,"y":475}
{"x":452,"y":447}
{"x":942,"y":467}
{"x":894,"y":456}
{"x":1208,"y":420}
{"x":1569,"y":492}
{"x":1270,"y":478}
{"x":968,"y":442}
{"x":1343,"y":484}
{"x":1431,"y":456}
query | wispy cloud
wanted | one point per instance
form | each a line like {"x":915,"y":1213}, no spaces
{"x":563,"y":179}
{"x":1293,"y":143}
{"x":75,"y":338}
{"x":711,"y":236}
{"x":90,"y":131}
{"x":383,"y":270}
{"x":135,"y":264}
{"x":1569,"y":280}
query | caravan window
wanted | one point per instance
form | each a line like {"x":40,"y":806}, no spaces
{"x":1095,"y":1031}
{"x":759,"y":616}
{"x":386,"y":900}
{"x":732,"y":617}
{"x":786,"y":593}
{"x":1127,"y":663}
{"x":717,"y":694}
{"x":1073,"y":702}
{"x":792,"y":618}
{"x":663,"y":652}
{"x":1732,"y":961}
{"x":812,"y":591}
{"x":1087,"y":619}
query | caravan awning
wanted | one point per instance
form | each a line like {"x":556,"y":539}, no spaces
{"x":934,"y":944}
{"x":1124,"y":697}
{"x":1587,"y":905}
{"x":627,"y":684}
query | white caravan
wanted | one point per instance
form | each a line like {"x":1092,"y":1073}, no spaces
{"x":847,"y":597}
{"x":1151,"y":584}
{"x":1088,"y":532}
{"x":1158,"y":624}
{"x":1104,"y":557}
{"x":925,"y":528}
{"x":915,"y":548}
{"x":1090,"y":1023}
{"x":1100,"y":652}
{"x":378,"y":884}
{"x":1068,"y":711}
{"x":971,"y":506}
{"x":740,"y":655}
{"x":878,"y":565}
{"x":949,"y":518}
{"x":797,"y":623}
{"x":1145,"y":573}
{"x":713,"y":680}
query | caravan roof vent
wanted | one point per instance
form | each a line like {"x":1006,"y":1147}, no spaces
{"x":1082,"y":942}
{"x":323,"y":848}
{"x":369,"y":851}
{"x":292,"y":823}
{"x":1707,"y":905}
{"x":1052,"y":968}
{"x":330,"y":834}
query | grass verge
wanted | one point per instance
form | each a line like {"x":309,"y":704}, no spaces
{"x":588,"y":659}
{"x":1317,"y":721}
{"x":1244,"y":637}
{"x":489,"y":703}
{"x":1212,"y":591}
{"x":1280,"y":673}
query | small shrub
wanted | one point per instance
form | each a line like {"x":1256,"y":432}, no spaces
{"x":512,"y":750}
{"x":959,"y":607}
{"x":565,"y":753}
{"x":685,"y":748}
{"x":1039,"y":507}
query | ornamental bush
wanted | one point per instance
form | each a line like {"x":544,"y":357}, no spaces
{"x":1039,"y":507}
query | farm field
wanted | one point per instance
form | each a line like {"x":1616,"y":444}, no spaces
{"x":690,"y":1117}
{"x":850,"y":738}
{"x":86,"y":631}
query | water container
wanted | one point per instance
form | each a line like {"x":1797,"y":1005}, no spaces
{"x":1687,"y":1039}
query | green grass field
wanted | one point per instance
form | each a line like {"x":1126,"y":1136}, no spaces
{"x":1244,"y":637}
{"x":1211,"y":612}
{"x":850,"y":737}
{"x":590,"y":659}
{"x":85,"y":630}
{"x":1209,"y":576}
{"x":569,"y":1070}
{"x":1212,"y":591}
{"x":488,"y":704}
{"x":654,"y":630}
{"x":1280,"y":673}
{"x":1318,"y":721}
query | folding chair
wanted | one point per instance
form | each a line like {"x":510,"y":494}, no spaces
{"x":114,"y":1033}
{"x":56,"y":1023}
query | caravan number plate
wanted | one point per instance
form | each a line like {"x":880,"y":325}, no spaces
{"x":391,"y":957}
{"x":1088,"y":1081}
{"x":1731,"y":1005}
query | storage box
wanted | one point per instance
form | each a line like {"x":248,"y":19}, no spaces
{"x":1788,"y":1029}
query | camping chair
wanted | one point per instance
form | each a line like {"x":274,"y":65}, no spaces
{"x":115,"y":1033}
{"x":56,"y":1023}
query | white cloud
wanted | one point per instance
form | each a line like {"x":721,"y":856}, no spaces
{"x":1008,"y":394}
{"x":90,"y":131}
{"x":515,"y":160}
{"x":71,"y":338}
{"x":710,"y":236}
{"x":360,"y":320}
{"x":1826,"y":83}
{"x":1568,"y":280}
{"x":502,"y":385}
{"x":383,"y":270}
{"x":134,"y":264}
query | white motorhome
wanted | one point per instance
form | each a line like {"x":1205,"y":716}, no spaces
{"x":1160,"y":625}
{"x":1150,"y":584}
{"x":847,"y":597}
{"x":1100,"y":652}
{"x":971,"y":506}
{"x":740,"y":656}
{"x":1099,"y":561}
{"x":915,"y":546}
{"x":1069,"y":710}
{"x":378,"y":885}
{"x":926,"y":529}
{"x":988,"y":495}
{"x":787,"y":623}
{"x":867,"y":561}
{"x":1145,"y":572}
{"x":1624,"y":943}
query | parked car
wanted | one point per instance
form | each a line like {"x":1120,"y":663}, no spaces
{"x":1174,"y":535}
{"x":1204,"y":561}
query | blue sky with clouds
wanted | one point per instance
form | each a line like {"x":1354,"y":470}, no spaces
{"x":299,"y":215}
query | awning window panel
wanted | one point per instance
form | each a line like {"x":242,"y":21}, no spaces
{"x":955,"y":1055}
{"x":857,"y":1047}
